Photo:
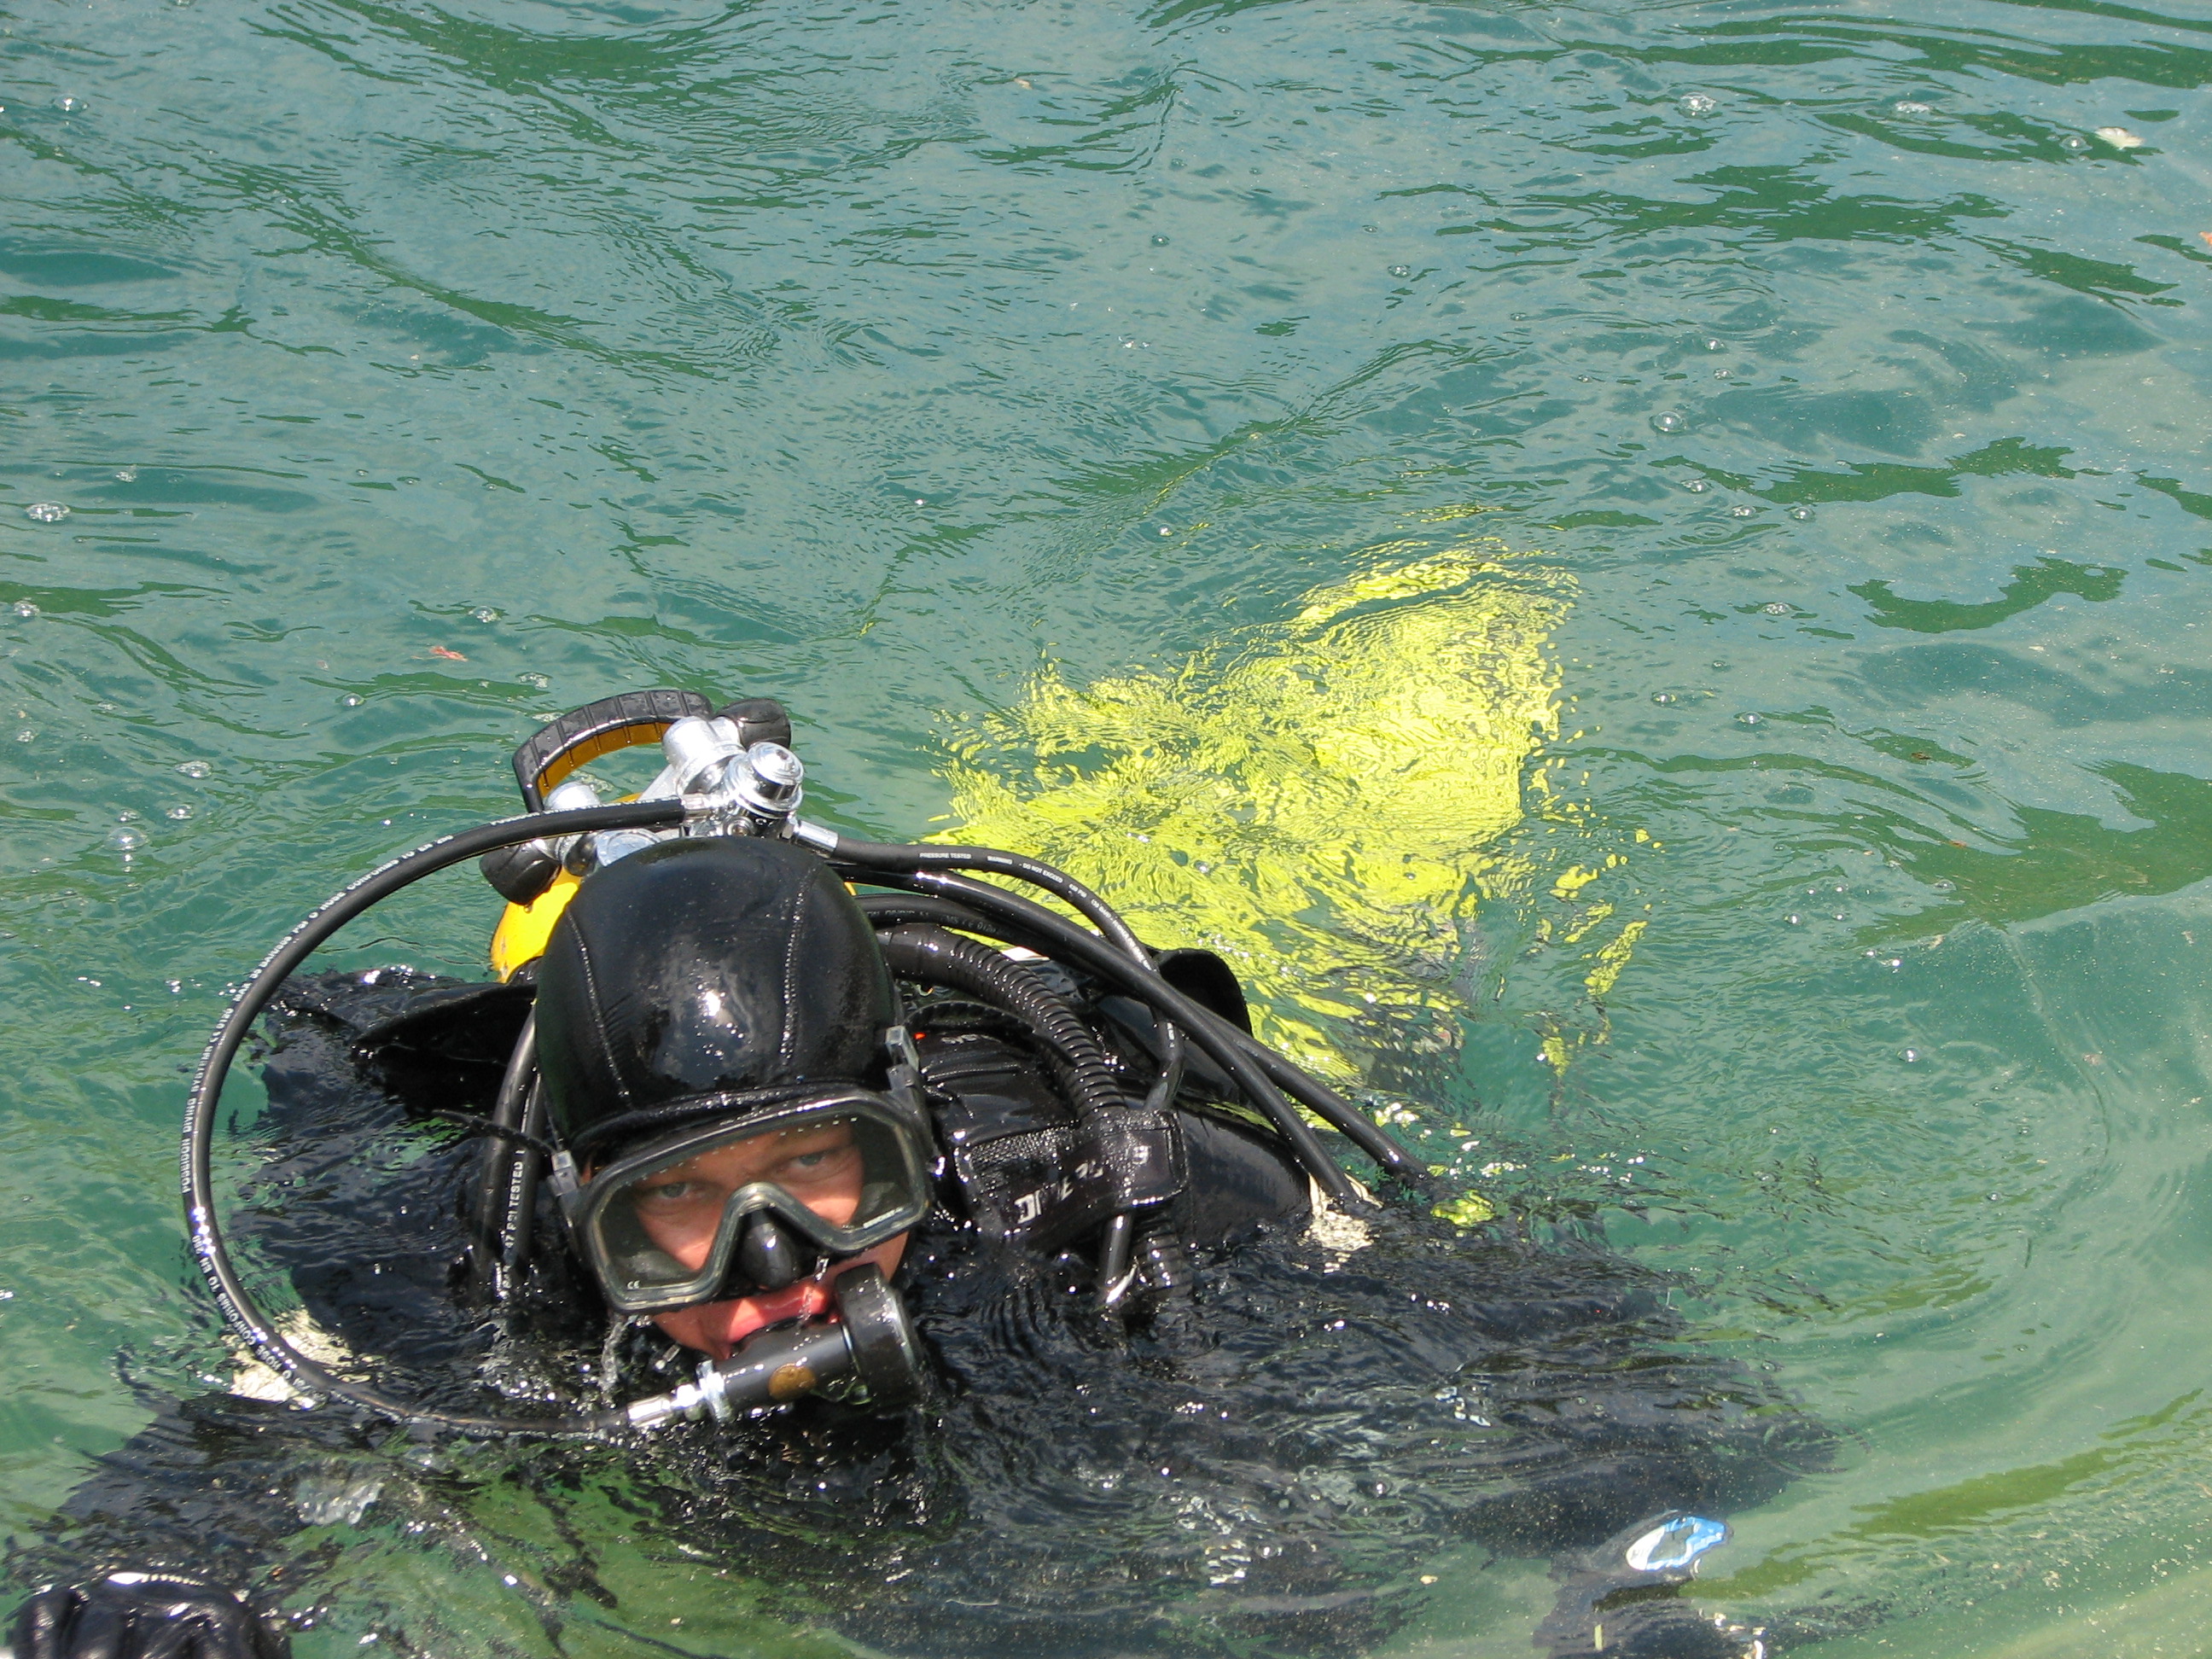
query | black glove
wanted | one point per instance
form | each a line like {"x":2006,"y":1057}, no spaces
{"x":1623,"y":1599}
{"x":136,"y":1615}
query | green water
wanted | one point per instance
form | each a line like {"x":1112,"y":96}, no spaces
{"x":412,"y":372}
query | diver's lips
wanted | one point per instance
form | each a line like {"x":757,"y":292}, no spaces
{"x":808,"y":1300}
{"x":719,"y":1327}
{"x":723,"y":1325}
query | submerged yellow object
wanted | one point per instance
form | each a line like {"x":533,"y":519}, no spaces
{"x":1320,"y":800}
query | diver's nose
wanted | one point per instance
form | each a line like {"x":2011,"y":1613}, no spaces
{"x":767,"y":1256}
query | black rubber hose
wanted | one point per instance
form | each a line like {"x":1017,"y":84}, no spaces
{"x":1144,"y":983}
{"x":903,"y":859}
{"x":890,"y":909}
{"x":1007,"y":916}
{"x":495,"y":1181}
{"x":522,"y":1202}
{"x":195,"y":1154}
{"x":934,"y":956}
{"x":1114,"y":1255}
{"x":907,"y":860}
{"x":1016,"y":921}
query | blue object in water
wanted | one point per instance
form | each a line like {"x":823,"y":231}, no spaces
{"x":1676,"y":1543}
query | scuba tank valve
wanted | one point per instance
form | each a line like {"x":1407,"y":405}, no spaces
{"x":733,"y":781}
{"x":755,"y":784}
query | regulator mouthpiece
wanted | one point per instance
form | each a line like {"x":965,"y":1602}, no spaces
{"x":869,"y":1354}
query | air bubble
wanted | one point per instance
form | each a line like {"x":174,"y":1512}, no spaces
{"x":126,"y":840}
{"x":1747,"y":719}
{"x":46,"y":511}
{"x":484,"y":613}
{"x":1912,"y":1056}
{"x":179,"y":812}
{"x":126,"y":475}
{"x":1777,"y":609}
{"x":1669,"y":421}
{"x":1401,"y":270}
{"x":2074,"y":141}
{"x":69,"y":105}
{"x":1909,"y":106}
{"x":1663,"y":696}
{"x":1698,"y":105}
{"x":1697,"y":486}
{"x":1165,"y":530}
{"x":195,"y":768}
{"x":348,"y":700}
{"x":1800,"y":513}
{"x":25,"y":607}
{"x":1159,"y":241}
{"x":1741,"y":512}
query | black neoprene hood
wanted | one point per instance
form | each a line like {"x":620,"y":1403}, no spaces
{"x":697,"y":970}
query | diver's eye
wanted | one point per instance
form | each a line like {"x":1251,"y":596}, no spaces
{"x":667,"y":1192}
{"x":818,"y":1164}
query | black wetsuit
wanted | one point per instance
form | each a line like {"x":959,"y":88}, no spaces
{"x":1257,"y":1460}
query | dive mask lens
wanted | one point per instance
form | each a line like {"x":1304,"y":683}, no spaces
{"x":663,"y":1227}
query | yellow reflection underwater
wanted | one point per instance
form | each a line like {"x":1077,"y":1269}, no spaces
{"x":1323,"y":800}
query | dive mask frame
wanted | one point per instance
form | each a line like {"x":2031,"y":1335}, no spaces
{"x":592,"y":1228}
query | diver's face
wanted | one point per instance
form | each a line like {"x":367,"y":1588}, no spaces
{"x":817,"y":1164}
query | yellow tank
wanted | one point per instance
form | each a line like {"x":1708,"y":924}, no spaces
{"x":1321,"y":799}
{"x":523,"y":928}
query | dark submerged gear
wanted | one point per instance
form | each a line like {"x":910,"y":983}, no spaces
{"x":136,"y":1615}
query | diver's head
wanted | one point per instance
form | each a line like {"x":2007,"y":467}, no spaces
{"x":711,"y":1025}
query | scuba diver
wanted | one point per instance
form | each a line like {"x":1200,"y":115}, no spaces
{"x":945,"y":1218}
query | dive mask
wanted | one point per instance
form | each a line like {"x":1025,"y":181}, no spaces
{"x":715,"y":1210}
